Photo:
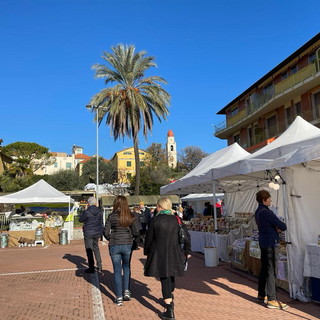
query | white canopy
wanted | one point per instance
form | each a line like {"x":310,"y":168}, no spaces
{"x":40,"y":192}
{"x":201,"y":197}
{"x":198,"y":180}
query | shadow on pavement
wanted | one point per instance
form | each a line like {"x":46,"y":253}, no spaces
{"x":139,"y":290}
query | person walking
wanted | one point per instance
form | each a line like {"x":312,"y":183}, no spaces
{"x":165,"y":257}
{"x":136,"y":214}
{"x":145,"y":217}
{"x":92,"y":219}
{"x":269,"y":226}
{"x":119,"y":230}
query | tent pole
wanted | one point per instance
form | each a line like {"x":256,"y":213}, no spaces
{"x":287,"y":232}
{"x":214,"y":205}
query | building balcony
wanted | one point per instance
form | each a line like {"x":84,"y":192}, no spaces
{"x":289,"y":88}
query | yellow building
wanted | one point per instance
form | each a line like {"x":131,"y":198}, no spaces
{"x":126,"y":165}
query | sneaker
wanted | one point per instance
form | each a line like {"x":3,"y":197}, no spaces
{"x":119,"y":301}
{"x":274,"y":304}
{"x":261,"y":299}
{"x":127,"y":295}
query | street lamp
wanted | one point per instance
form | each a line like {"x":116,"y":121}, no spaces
{"x":96,"y":108}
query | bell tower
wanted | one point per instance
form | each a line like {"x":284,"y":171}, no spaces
{"x":171,"y":149}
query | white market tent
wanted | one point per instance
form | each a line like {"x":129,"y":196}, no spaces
{"x":295,"y":156}
{"x":198,"y":180}
{"x":40,"y":192}
{"x":43,"y":193}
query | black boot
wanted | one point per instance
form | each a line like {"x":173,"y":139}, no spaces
{"x":168,"y":314}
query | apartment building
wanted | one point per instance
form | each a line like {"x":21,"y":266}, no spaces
{"x":265,"y":110}
{"x":63,"y":161}
{"x":126,"y":165}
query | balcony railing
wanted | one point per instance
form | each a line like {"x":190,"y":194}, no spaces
{"x":264,"y":99}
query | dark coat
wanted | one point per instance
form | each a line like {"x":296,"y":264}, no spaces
{"x":165,"y":257}
{"x":268,"y":223}
{"x":116,"y":234}
{"x":92,"y":219}
{"x":145,"y":215}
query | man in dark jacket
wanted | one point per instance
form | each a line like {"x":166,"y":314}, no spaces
{"x":92,"y":219}
{"x":269,"y":226}
{"x":145,"y":217}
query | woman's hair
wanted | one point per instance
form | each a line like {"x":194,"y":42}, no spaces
{"x":262,"y":195}
{"x":165,"y":203}
{"x":120,"y":204}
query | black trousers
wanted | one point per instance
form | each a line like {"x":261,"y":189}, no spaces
{"x":167,"y":286}
{"x":92,"y":248}
{"x":267,"y":277}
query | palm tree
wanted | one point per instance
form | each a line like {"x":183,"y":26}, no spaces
{"x":133,"y":101}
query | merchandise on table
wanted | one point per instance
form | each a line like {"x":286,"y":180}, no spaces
{"x":224,"y":224}
{"x":30,"y":222}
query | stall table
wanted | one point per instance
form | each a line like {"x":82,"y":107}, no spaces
{"x":199,"y":240}
{"x":50,"y":236}
{"x":312,"y":269}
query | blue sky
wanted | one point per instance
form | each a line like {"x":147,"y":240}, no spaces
{"x":208,"y":51}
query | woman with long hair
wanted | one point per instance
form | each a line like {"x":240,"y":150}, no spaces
{"x":120,"y":230}
{"x":165,"y":257}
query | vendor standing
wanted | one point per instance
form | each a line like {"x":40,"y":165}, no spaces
{"x":269,"y":226}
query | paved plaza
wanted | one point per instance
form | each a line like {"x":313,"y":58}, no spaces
{"x":49,"y":283}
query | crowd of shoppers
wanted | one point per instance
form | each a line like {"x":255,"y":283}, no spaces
{"x":159,"y":232}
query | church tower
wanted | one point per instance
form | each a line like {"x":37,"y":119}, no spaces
{"x":171,"y":150}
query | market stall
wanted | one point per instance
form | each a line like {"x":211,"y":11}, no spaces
{"x":294,"y":158}
{"x":26,"y":220}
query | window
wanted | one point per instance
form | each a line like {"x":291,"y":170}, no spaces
{"x":141,"y":164}
{"x":284,"y":75}
{"x":127,"y":153}
{"x":234,"y":111}
{"x":311,"y":57}
{"x":171,"y":148}
{"x":272,"y":126}
{"x":129,"y":175}
{"x":268,"y":89}
{"x":236,"y":138}
{"x":297,"y":108}
{"x":289,"y":116}
{"x":142,"y":153}
{"x":68,"y":165}
{"x":128,"y":163}
{"x":294,"y":69}
{"x":56,"y":164}
{"x":316,"y":105}
{"x":250,"y":137}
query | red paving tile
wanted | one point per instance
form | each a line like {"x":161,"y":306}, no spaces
{"x":39,"y":283}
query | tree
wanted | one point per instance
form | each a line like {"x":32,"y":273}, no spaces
{"x":106,"y":171}
{"x":152,"y":178}
{"x":134,"y":100}
{"x":157,"y":153}
{"x":191,"y":156}
{"x":66,"y":180}
{"x":10,"y":184}
{"x":28,"y":158}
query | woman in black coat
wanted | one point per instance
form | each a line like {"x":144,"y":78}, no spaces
{"x":165,"y":257}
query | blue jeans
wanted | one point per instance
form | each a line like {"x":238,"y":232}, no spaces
{"x":121,"y":256}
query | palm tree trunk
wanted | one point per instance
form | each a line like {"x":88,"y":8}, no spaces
{"x":137,"y":160}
